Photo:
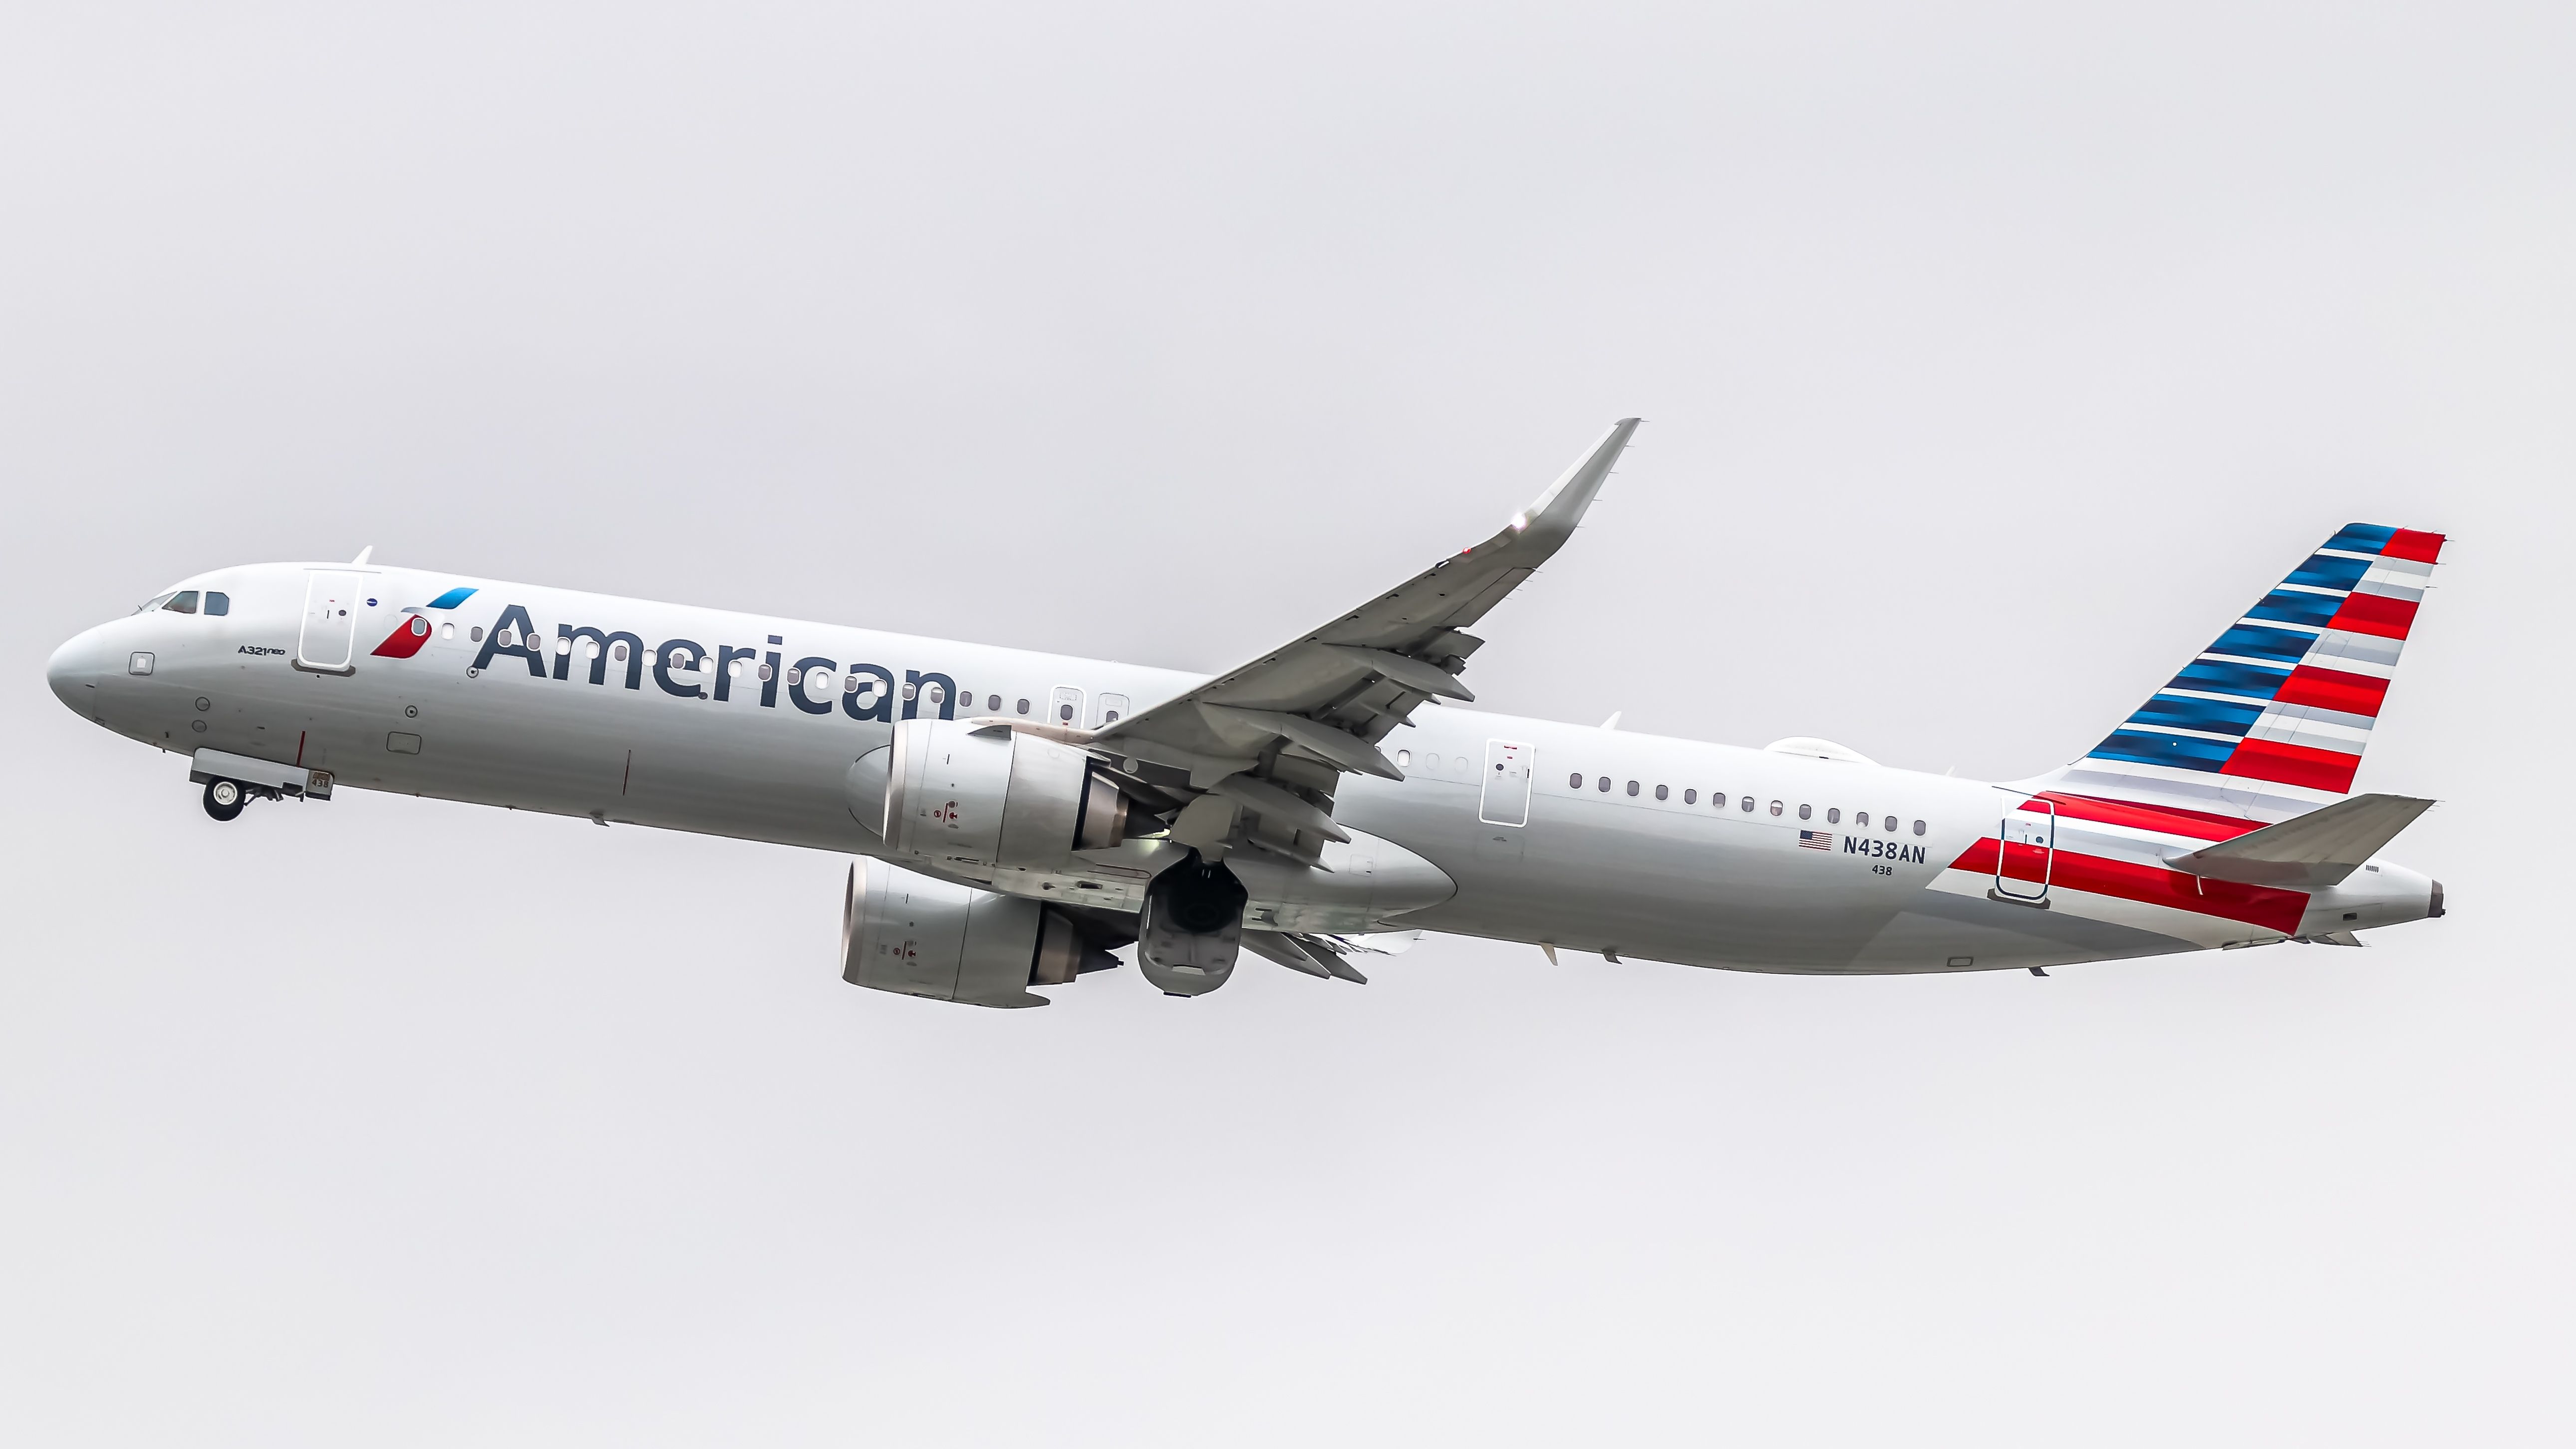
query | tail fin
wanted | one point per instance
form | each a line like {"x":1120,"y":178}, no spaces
{"x":2270,"y":720}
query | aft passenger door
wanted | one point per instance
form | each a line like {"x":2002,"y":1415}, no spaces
{"x":328,"y":640}
{"x":1507,"y":784}
{"x":2026,"y":852}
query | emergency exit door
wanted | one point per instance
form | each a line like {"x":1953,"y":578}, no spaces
{"x":1507,"y":784}
{"x":330,"y":621}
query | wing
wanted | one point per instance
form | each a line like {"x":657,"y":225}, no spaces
{"x":1252,"y":757}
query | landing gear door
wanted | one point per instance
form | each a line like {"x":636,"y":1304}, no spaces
{"x":2026,"y":855}
{"x":330,"y":622}
{"x":1507,"y":784}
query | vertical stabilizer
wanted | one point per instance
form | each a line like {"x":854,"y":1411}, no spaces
{"x":2270,"y":720}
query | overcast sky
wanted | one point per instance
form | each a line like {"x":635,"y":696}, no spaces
{"x":1992,"y":359}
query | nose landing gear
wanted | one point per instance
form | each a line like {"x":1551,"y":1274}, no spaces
{"x":225,"y":799}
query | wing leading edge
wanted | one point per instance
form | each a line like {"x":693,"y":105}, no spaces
{"x":1252,"y":757}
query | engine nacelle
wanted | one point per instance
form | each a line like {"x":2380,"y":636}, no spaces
{"x":987,"y":798}
{"x":924,"y":937}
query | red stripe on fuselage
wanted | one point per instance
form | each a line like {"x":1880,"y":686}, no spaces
{"x":2333,"y":689}
{"x":2293,"y":765}
{"x":2153,"y":885}
{"x":2162,"y":819}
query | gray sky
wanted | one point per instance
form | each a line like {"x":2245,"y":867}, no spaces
{"x":1992,"y":358}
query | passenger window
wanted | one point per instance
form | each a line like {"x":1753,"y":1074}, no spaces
{"x":992,"y":704}
{"x":1574,"y":781}
{"x":1663,"y":794}
{"x":476,"y":634}
{"x":1919,"y":827}
{"x":1605,"y":784}
{"x":1690,"y":797}
{"x":1403,"y":758}
{"x":1833,"y":817}
{"x":1775,"y":807}
{"x":219,"y":603}
{"x":619,"y":653}
{"x":183,"y":603}
{"x":1806,"y":812}
{"x":1891,"y":825}
{"x":1861,"y":820}
{"x":1024,"y":706}
{"x":1632,"y":789}
{"x":1748,"y":804}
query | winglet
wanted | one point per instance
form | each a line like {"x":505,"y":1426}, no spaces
{"x":1562,"y":506}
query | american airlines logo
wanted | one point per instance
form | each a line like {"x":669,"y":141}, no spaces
{"x":515,"y":636}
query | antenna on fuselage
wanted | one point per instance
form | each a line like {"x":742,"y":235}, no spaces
{"x":363,"y":555}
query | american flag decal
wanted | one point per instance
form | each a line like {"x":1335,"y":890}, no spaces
{"x":1815,"y":840}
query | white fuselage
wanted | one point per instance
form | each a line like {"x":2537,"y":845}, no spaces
{"x":1665,"y":864}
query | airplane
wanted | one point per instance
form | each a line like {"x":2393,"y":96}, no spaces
{"x":1015,"y":818}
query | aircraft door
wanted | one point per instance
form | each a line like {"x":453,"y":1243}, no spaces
{"x":330,"y":621}
{"x":1113,"y":708}
{"x":1066,"y":708}
{"x":2026,"y":854}
{"x":1507,"y":784}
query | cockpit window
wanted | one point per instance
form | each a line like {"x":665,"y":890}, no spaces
{"x":148,"y":605}
{"x":219,"y":603}
{"x":184,"y":602}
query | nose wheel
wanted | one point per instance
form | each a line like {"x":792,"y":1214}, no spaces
{"x":224,"y":799}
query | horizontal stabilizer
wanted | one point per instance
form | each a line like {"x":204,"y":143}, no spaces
{"x":2311,"y":851}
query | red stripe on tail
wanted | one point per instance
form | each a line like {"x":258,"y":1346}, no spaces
{"x":2333,"y":689}
{"x":2415,"y":547}
{"x":2375,"y":614}
{"x":2288,"y":764}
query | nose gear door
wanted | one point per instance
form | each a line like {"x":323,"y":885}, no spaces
{"x":2026,"y":852}
{"x":330,"y":622}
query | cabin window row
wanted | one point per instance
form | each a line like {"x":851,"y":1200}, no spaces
{"x":1718,"y":798}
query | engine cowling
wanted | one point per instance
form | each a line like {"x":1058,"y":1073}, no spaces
{"x":909,"y":933}
{"x":986,"y":798}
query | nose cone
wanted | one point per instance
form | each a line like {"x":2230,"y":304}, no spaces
{"x":74,"y":671}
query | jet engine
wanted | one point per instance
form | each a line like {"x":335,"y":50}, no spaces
{"x":988,"y":798}
{"x":923,"y":937}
